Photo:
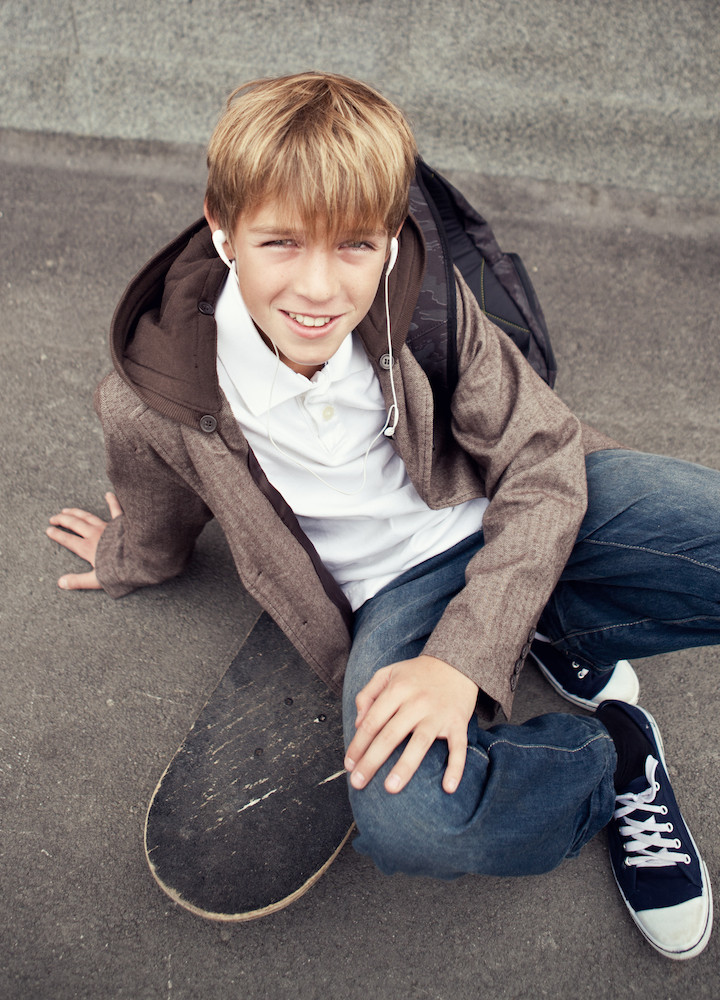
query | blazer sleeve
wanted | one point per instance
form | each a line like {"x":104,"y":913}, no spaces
{"x":154,"y":537}
{"x":528,"y":448}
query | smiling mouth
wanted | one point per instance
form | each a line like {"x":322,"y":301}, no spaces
{"x":311,"y":321}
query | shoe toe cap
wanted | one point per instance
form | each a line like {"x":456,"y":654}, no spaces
{"x":622,"y":686}
{"x":680,"y":931}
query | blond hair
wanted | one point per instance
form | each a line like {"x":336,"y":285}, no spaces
{"x":330,"y":150}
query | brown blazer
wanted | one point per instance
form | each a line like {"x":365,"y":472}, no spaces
{"x":508,"y":437}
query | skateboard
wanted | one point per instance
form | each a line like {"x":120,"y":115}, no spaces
{"x":253,"y":807}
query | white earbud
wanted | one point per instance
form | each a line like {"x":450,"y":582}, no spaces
{"x":393,"y":417}
{"x":219,"y":239}
{"x":393,"y":256}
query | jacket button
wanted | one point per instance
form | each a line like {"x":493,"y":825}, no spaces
{"x":513,"y":682}
{"x":518,"y":667}
{"x":208,"y":423}
{"x":525,"y":650}
{"x":205,"y":308}
{"x":386,"y":362}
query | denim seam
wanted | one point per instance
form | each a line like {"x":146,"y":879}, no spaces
{"x":655,"y":552}
{"x":603,"y":628}
{"x":545,"y":746}
{"x":640,"y":621}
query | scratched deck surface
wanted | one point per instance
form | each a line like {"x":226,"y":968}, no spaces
{"x":254,"y":804}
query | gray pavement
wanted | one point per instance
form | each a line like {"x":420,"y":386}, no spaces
{"x":606,"y":93}
{"x":96,"y":694}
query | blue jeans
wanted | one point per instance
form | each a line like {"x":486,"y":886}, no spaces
{"x":643,"y":578}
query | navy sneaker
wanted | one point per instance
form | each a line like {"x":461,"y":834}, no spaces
{"x":583,"y":685}
{"x":656,"y":864}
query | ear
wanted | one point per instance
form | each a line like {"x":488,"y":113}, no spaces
{"x":214,"y":226}
{"x":397,"y":237}
{"x":208,"y":217}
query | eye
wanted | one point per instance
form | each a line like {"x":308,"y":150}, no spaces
{"x":358,"y":245}
{"x":280,"y":243}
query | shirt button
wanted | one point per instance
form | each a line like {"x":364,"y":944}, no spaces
{"x":208,"y":423}
{"x":386,"y":361}
{"x":328,"y":413}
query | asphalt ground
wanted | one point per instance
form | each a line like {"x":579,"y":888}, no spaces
{"x":608,"y":93}
{"x":97,"y":694}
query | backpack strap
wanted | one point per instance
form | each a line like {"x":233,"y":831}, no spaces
{"x":456,"y":234}
{"x":432,"y":334}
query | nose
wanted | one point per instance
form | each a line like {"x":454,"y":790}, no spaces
{"x":316,"y":278}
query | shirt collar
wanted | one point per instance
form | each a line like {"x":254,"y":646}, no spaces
{"x":253,"y":368}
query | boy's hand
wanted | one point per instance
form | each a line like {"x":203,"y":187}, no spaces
{"x":424,"y":696}
{"x":79,"y":531}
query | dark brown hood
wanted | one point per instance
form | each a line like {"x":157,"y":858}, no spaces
{"x":163,"y":338}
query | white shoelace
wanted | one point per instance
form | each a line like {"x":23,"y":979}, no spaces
{"x":647,"y":848}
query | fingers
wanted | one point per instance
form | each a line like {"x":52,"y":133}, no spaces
{"x":423,"y":699}
{"x":79,"y":581}
{"x":113,"y":505}
{"x":374,"y":742}
{"x":457,"y":745}
{"x":366,"y":698}
{"x":76,"y":543}
{"x":372,"y":728}
{"x":410,"y":759}
{"x":79,"y":532}
{"x":75,"y":518}
{"x":384,"y":727}
{"x":422,"y":738}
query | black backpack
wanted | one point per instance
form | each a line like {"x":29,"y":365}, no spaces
{"x":456,"y":234}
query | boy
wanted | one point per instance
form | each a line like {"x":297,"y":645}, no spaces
{"x":261,"y":378}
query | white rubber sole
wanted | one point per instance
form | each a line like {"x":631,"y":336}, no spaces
{"x":622,"y":686}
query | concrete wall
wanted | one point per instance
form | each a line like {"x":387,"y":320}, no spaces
{"x":623,"y":92}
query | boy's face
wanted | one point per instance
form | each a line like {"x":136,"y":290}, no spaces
{"x":305,"y":295}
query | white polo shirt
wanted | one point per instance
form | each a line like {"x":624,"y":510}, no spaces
{"x":311,"y":438}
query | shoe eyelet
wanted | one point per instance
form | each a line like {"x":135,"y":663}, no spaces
{"x":687,"y":859}
{"x":678,"y":843}
{"x":664,"y":812}
{"x":656,"y":786}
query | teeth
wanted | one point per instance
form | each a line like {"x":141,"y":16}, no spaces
{"x":310,"y":320}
